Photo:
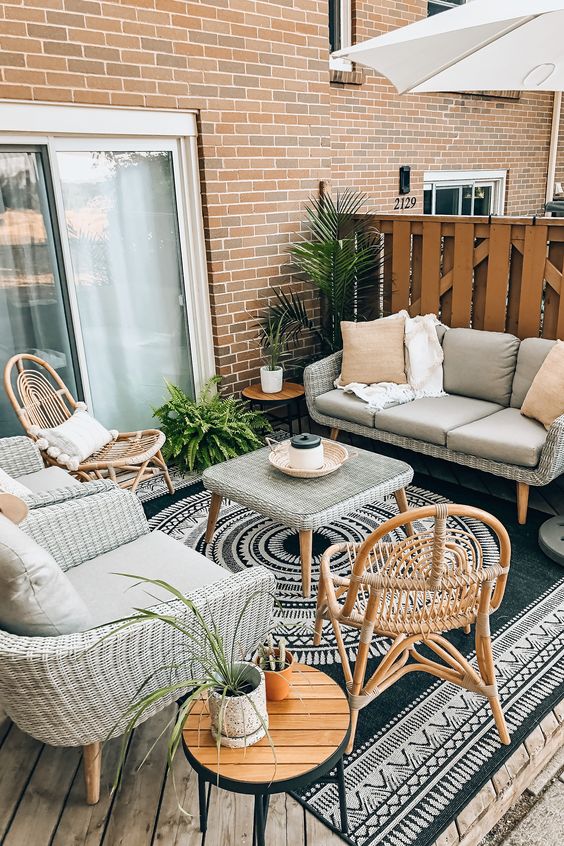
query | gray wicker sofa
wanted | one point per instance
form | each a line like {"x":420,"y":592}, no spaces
{"x":74,"y":689}
{"x":478,"y":423}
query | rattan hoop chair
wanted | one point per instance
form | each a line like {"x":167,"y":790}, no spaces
{"x":40,"y":398}
{"x":413,"y":591}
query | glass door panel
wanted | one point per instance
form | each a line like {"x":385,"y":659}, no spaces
{"x":447,"y":200}
{"x":123,"y":235}
{"x":32,"y":310}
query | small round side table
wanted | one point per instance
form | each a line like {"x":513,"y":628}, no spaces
{"x":290,"y":396}
{"x":309,"y":732}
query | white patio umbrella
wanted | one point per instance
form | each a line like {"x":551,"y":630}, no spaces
{"x":482,"y":45}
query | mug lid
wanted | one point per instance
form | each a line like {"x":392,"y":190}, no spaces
{"x":305,"y":441}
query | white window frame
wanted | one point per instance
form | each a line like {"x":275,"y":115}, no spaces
{"x":346,"y":37}
{"x":434,"y":179}
{"x":77,"y":127}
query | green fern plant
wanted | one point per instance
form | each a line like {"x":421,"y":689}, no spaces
{"x":210,"y":429}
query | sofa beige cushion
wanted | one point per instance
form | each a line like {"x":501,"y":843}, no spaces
{"x":505,"y":436}
{"x":110,"y":597}
{"x":373,"y":351}
{"x":545,"y":398}
{"x":480,"y":364}
{"x":431,"y":418}
{"x":345,"y":407}
{"x":532,"y":353}
{"x":36,"y":597}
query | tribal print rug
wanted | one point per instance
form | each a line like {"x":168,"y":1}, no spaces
{"x":423,"y":748}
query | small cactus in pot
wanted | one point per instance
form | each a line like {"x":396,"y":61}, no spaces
{"x":277,"y":663}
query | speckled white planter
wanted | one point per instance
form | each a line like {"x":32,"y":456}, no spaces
{"x":271,"y":381}
{"x":240,"y":720}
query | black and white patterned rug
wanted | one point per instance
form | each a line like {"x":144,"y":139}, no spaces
{"x":424,"y":747}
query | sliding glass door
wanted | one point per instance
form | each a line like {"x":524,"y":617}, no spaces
{"x":33,"y":317}
{"x":92,"y":271}
{"x":122,"y":231}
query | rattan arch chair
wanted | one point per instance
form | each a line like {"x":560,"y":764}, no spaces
{"x":40,"y":398}
{"x":413,"y":591}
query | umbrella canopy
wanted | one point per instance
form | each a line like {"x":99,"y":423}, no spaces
{"x":483,"y":45}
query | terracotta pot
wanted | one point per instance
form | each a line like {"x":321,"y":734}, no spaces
{"x":279,"y":682}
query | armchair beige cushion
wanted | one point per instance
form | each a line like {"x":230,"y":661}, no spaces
{"x":373,"y":351}
{"x":545,"y":398}
{"x":36,"y":597}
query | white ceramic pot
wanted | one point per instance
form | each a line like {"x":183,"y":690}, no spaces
{"x":271,"y":380}
{"x":305,"y":452}
{"x":240,"y":721}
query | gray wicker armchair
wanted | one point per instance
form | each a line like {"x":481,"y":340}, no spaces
{"x":319,"y":379}
{"x":73,"y":690}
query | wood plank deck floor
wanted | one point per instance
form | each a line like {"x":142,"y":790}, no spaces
{"x":41,"y":787}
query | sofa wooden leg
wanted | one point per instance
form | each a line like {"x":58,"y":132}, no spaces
{"x":334,"y":434}
{"x":522,"y":502}
{"x":92,"y":763}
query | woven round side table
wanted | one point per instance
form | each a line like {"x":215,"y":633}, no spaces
{"x":308,"y":735}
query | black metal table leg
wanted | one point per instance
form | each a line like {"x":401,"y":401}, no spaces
{"x":342,"y":797}
{"x":260,"y":819}
{"x":202,"y":803}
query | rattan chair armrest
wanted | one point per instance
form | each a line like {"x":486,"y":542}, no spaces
{"x":57,"y":495}
{"x":552,"y":455}
{"x":320,"y":376}
{"x":75,"y":689}
{"x":19,"y":455}
{"x":79,"y":529}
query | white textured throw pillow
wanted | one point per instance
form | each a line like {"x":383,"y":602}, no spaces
{"x":10,"y":485}
{"x":36,"y":597}
{"x":75,"y":439}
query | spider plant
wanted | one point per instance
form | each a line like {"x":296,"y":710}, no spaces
{"x":342,"y":260}
{"x":212,"y":666}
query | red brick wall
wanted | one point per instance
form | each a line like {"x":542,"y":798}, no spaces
{"x":271,"y":125}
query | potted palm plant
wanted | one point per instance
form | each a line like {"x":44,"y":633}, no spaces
{"x":277,"y":663}
{"x":274,"y":344}
{"x":234,"y":688}
{"x":343,"y":260}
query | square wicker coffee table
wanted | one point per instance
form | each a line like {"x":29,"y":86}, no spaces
{"x":304,"y":504}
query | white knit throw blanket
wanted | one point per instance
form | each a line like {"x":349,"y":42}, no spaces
{"x":424,"y":364}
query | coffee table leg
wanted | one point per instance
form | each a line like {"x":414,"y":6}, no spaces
{"x":306,"y":540}
{"x":215,"y":505}
{"x":401,"y":500}
{"x":342,"y":797}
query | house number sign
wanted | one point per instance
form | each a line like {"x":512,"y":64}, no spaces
{"x":404,"y":203}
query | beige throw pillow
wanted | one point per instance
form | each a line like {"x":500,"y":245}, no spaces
{"x":545,"y":398}
{"x":373,"y":351}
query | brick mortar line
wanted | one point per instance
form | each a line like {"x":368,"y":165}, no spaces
{"x":507,"y":784}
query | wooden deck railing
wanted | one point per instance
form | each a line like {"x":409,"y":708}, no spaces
{"x":504,"y":275}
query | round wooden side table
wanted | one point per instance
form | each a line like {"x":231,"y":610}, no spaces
{"x":290,"y":396}
{"x":308,"y":734}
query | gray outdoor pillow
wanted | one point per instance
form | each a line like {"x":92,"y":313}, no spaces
{"x":480,"y":364}
{"x":36,"y":597}
{"x":532,"y":354}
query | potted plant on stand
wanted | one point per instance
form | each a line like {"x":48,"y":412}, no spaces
{"x":234,"y":688}
{"x":277,"y":663}
{"x":274,"y":342}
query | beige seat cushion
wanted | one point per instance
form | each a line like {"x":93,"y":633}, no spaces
{"x":545,"y":398}
{"x":373,"y":351}
{"x":505,"y":436}
{"x":431,"y":418}
{"x":532,"y":353}
{"x":156,"y":556}
{"x":345,"y":407}
{"x":36,"y":597}
{"x":480,"y":364}
{"x":49,"y":479}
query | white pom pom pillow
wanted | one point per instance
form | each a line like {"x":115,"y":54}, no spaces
{"x":76,"y":439}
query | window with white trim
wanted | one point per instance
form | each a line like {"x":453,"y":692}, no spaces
{"x":464,"y":192}
{"x":436,"y":6}
{"x":340,"y":31}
